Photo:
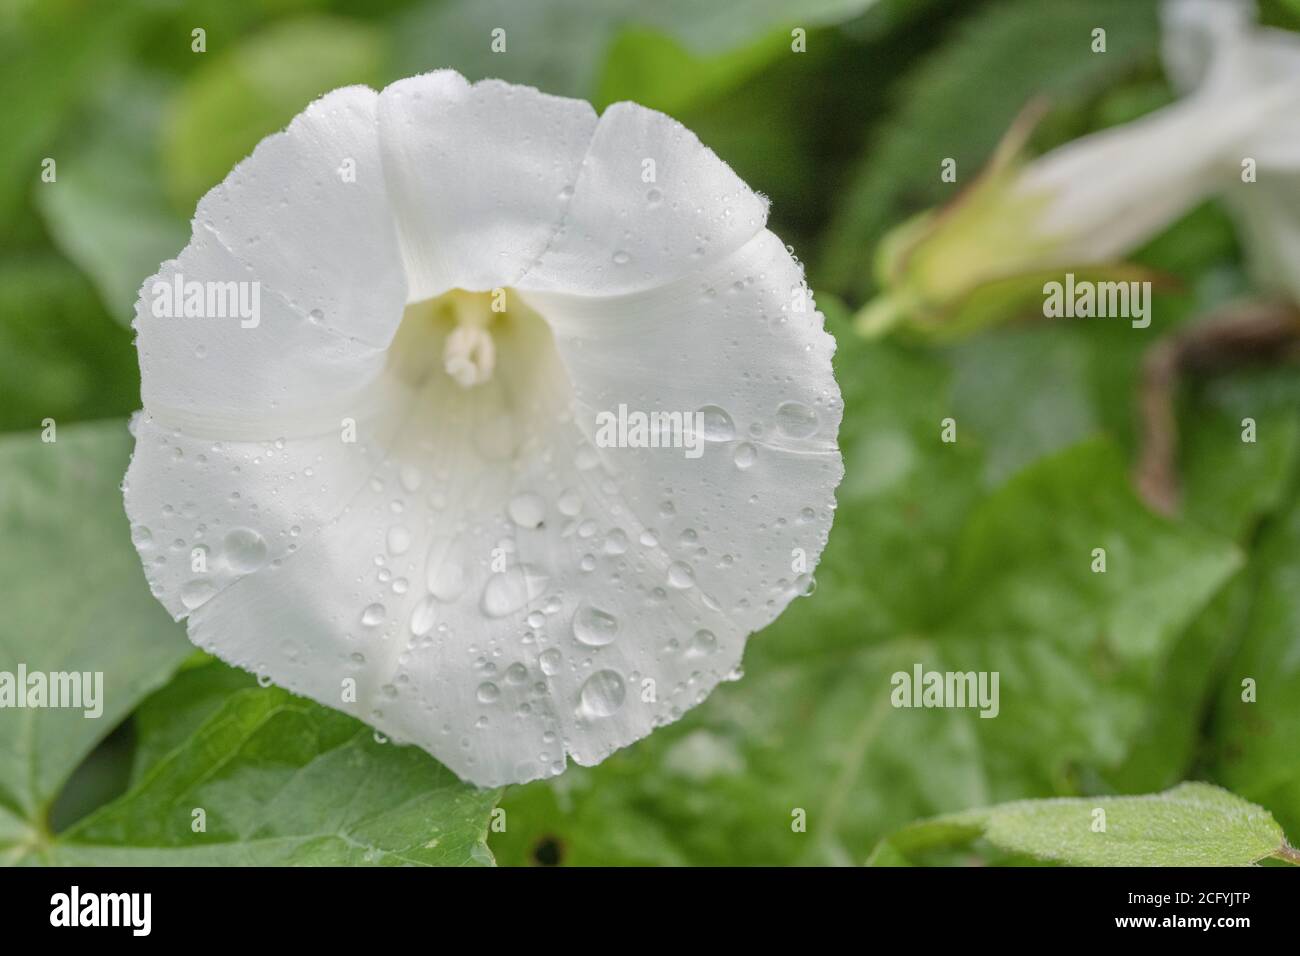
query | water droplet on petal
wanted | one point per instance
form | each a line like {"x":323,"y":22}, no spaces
{"x":704,"y":642}
{"x":410,"y":478}
{"x":570,"y":503}
{"x":422,"y":618}
{"x":511,"y":590}
{"x":550,"y":660}
{"x":445,"y":573}
{"x":616,"y":541}
{"x":746,"y":455}
{"x":796,"y":420}
{"x":195,"y":593}
{"x":594,"y":627}
{"x":488,"y":692}
{"x":373,"y":614}
{"x":527,"y":510}
{"x":245,"y":550}
{"x":602,"y":694}
{"x":399,"y":539}
{"x":718,"y":425}
{"x":680,"y":575}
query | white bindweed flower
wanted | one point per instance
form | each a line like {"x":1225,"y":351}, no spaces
{"x":1216,"y":53}
{"x":1234,"y":133}
{"x":496,"y":423}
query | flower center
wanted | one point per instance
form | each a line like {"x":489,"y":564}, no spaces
{"x":488,"y":353}
{"x":469,"y":353}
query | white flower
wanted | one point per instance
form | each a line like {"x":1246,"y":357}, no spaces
{"x":476,"y":572}
{"x":1094,"y":200}
{"x":1215,"y":53}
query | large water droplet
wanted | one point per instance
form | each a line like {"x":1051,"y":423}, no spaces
{"x":410,"y":478}
{"x":516,"y":673}
{"x":702,"y":644}
{"x":602,"y":694}
{"x":570,"y":503}
{"x":527,"y":510}
{"x":550,"y":660}
{"x":796,"y":420}
{"x":373,"y":615}
{"x":718,"y":425}
{"x":422,"y":618}
{"x":616,"y":541}
{"x":488,"y":692}
{"x":594,"y":627}
{"x":399,"y":539}
{"x":445,"y":573}
{"x":245,"y":550}
{"x":195,"y":593}
{"x":511,"y":590}
{"x":746,"y":455}
{"x":680,"y":575}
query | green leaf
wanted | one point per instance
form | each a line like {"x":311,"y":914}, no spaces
{"x":170,"y":716}
{"x":75,"y":599}
{"x":658,"y":71}
{"x":1256,"y":725}
{"x":1230,"y":484}
{"x":107,"y":211}
{"x":281,"y":781}
{"x":563,"y":46}
{"x":996,"y":372}
{"x":61,"y":356}
{"x":1079,"y":650}
{"x":1194,"y":824}
{"x":53,"y":57}
{"x":246,"y":92}
{"x":960,"y":101}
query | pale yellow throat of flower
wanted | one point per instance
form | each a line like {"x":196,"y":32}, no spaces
{"x":469,"y":353}
{"x":466,"y":331}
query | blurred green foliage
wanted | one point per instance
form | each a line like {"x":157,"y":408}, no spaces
{"x":973,"y":555}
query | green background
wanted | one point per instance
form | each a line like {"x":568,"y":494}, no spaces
{"x":966,"y":556}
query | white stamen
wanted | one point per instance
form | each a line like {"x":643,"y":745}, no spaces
{"x":469,"y":355}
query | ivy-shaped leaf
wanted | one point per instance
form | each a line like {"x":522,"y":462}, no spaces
{"x":1194,"y":824}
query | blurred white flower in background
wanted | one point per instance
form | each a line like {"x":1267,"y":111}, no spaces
{"x":386,"y":492}
{"x":1234,"y":133}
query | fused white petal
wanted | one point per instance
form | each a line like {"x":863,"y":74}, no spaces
{"x":1216,"y":53}
{"x":397,"y":493}
{"x":1110,"y":191}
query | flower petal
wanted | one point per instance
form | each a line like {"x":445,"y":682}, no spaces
{"x":479,"y":174}
{"x":314,"y":249}
{"x":309,"y":213}
{"x":1268,"y":214}
{"x":208,"y":510}
{"x":651,"y":204}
